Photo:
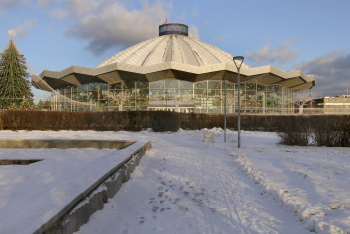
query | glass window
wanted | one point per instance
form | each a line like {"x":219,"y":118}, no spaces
{"x":128,"y":84}
{"x":251,"y":86}
{"x":83,"y":87}
{"x":186,"y":93}
{"x":142,"y":93}
{"x":229,"y":86}
{"x":171,"y":84}
{"x":157,"y":85}
{"x":214,"y":93}
{"x":242,"y":86}
{"x":251,"y":95}
{"x":229,"y":92}
{"x":260,"y":95}
{"x":156,"y":93}
{"x":214,"y":85}
{"x":200,"y":85}
{"x":142,"y":85}
{"x":93,"y":86}
{"x":103,"y":94}
{"x":186,"y":85}
{"x":277,"y":88}
{"x":103,"y":86}
{"x":269,"y":88}
{"x":261,"y":87}
{"x":171,"y":92}
{"x":198,"y":93}
{"x":116,"y":85}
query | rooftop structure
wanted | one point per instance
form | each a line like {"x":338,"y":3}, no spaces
{"x":174,"y":56}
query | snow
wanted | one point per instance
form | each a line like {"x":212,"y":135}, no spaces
{"x":30,"y":195}
{"x":185,"y":185}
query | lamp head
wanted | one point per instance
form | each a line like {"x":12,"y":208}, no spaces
{"x":239,"y":60}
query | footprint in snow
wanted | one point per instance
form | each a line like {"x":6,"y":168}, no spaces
{"x":176,"y":200}
{"x":155,"y":208}
{"x":184,"y":209}
{"x":142,"y":220}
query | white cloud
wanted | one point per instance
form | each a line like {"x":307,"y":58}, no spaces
{"x":8,"y":4}
{"x":109,"y":25}
{"x":193,"y":32}
{"x":21,"y":30}
{"x":195,"y":12}
{"x":332,"y":72}
{"x":282,"y":54}
{"x":181,"y":18}
{"x":220,"y":38}
{"x":59,"y":13}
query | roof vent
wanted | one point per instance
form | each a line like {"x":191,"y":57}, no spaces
{"x":173,"y":28}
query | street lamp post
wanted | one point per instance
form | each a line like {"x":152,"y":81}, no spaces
{"x":225,"y":82}
{"x":238,"y":64}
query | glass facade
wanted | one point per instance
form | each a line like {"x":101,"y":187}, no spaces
{"x":181,"y":96}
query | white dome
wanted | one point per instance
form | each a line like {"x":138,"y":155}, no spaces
{"x":171,"y":47}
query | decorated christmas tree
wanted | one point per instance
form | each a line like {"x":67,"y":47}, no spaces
{"x":14,"y":78}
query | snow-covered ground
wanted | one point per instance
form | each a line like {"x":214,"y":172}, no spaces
{"x":184,"y":185}
{"x":32,"y":194}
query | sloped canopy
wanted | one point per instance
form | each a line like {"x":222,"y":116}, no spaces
{"x":174,"y":56}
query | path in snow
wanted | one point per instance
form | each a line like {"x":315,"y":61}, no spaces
{"x":181,"y":188}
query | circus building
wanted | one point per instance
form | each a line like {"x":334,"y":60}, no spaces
{"x":178,"y":73}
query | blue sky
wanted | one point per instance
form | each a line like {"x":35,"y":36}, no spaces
{"x":310,"y":35}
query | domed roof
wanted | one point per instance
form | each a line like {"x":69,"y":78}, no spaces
{"x":171,"y":47}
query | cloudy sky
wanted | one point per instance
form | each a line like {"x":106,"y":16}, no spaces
{"x":310,"y":35}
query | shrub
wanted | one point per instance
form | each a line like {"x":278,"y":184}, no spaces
{"x":295,"y":130}
{"x":162,"y":121}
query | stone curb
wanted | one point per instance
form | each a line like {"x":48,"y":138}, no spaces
{"x":78,"y":211}
{"x":65,"y":144}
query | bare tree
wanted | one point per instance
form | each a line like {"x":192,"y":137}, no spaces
{"x":231,"y":100}
{"x":301,"y":98}
{"x":119,"y":98}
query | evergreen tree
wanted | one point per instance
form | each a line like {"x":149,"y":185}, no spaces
{"x":14,"y":78}
{"x":25,"y":105}
{"x":40,"y":105}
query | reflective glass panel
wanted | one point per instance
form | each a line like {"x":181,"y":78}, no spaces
{"x":269,"y":88}
{"x":93,"y":86}
{"x":277,"y":88}
{"x":200,"y":85}
{"x":242,"y":86}
{"x":260,"y":95}
{"x":157,"y":85}
{"x":103,"y":94}
{"x":214,"y":85}
{"x":156,"y":93}
{"x":228,"y":86}
{"x":142,"y":93}
{"x":186,"y":93}
{"x":251,"y":95}
{"x":103,"y":86}
{"x":214,"y":93}
{"x":198,"y":93}
{"x":142,"y":85}
{"x":171,"y":84}
{"x":261,"y":87}
{"x":128,"y":84}
{"x":251,"y":86}
{"x":83,"y":87}
{"x":116,"y":86}
{"x":186,"y":85}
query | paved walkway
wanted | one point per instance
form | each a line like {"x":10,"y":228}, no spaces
{"x":183,"y":186}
